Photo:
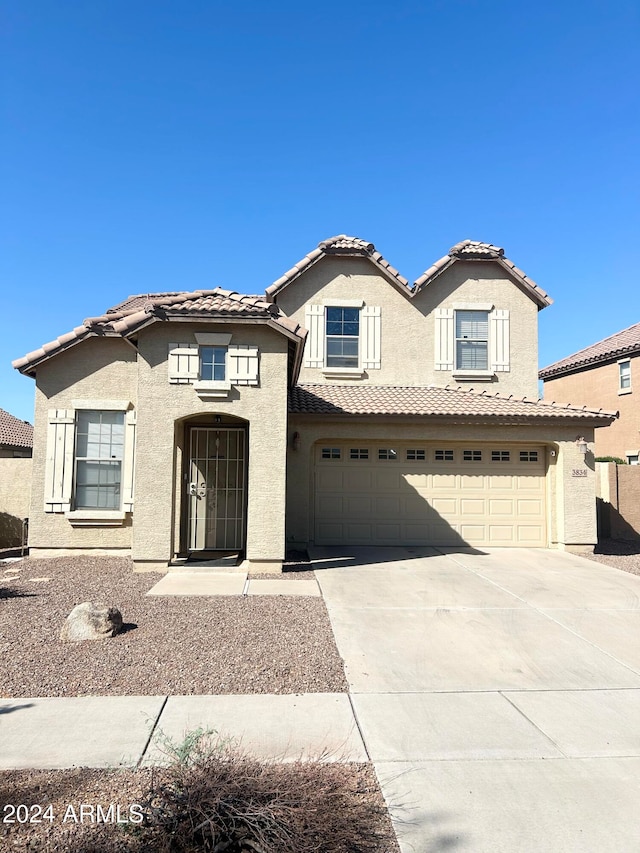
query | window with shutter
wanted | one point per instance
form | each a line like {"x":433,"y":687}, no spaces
{"x":90,"y":462}
{"x":344,"y":337}
{"x":213,"y":364}
{"x":472,"y":339}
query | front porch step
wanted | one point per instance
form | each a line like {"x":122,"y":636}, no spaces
{"x":229,"y":563}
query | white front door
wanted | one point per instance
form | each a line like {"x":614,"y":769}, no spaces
{"x":216,"y":488}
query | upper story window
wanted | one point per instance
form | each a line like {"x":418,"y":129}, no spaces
{"x":213,"y":364}
{"x":342,"y":337}
{"x":98,"y":459}
{"x":472,"y":340}
{"x":624,"y":376}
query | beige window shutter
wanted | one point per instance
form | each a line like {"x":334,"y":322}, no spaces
{"x":314,"y":348}
{"x":58,"y":471}
{"x":128,"y":466}
{"x":242,"y":365}
{"x":370,"y":320}
{"x":499,"y":340}
{"x":184,"y":363}
{"x":444,"y":338}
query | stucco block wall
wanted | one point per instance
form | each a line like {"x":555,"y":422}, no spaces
{"x":598,"y":388}
{"x":163,"y":409}
{"x":407,"y":325}
{"x":15,"y":497}
{"x":571,"y":508}
{"x":97,"y":368}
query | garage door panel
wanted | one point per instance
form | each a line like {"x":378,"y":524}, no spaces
{"x":529,"y":507}
{"x":358,"y":506}
{"x":330,"y":504}
{"x":528,"y":483}
{"x":469,"y":506}
{"x":391,"y":533}
{"x":503,"y":482}
{"x":445,"y":506}
{"x":357,"y":480}
{"x":440,"y":482}
{"x":499,"y":501}
{"x":501,"y":507}
{"x":528,"y":535}
{"x":388,"y":506}
{"x":500,"y":534}
{"x":329,"y":480}
{"x":387,"y":481}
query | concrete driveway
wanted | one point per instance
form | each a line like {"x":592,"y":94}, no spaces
{"x":498,"y":694}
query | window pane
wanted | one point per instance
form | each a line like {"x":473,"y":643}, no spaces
{"x":472,"y":324}
{"x":472,"y":355}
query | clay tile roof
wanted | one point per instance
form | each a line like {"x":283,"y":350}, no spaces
{"x":474,"y":250}
{"x":450,"y":403}
{"x":343,"y":245}
{"x":622,"y":343}
{"x":13,"y":432}
{"x":137,"y":311}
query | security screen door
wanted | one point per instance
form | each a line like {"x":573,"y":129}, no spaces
{"x":216,"y":487}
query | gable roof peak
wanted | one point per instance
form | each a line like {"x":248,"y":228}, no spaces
{"x":343,"y":243}
{"x":345,"y":246}
{"x":475,"y":249}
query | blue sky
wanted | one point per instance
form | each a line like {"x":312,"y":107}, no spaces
{"x":150,"y":146}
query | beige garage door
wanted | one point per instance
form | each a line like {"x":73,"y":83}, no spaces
{"x":429,"y":494}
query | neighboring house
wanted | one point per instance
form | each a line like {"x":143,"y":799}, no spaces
{"x":16,"y":446}
{"x":343,"y":407}
{"x":604,"y":375}
{"x":16,"y":437}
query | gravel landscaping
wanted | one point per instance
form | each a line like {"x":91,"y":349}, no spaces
{"x":618,"y":553}
{"x":170,"y":645}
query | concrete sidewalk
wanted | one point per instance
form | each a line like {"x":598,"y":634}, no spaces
{"x":112,"y":731}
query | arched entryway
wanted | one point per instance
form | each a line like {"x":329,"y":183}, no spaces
{"x":215,"y":485}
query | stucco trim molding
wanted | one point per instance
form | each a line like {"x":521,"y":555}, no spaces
{"x":103,"y":405}
{"x":96,"y":518}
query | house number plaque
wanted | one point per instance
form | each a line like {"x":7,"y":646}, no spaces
{"x":579,"y":472}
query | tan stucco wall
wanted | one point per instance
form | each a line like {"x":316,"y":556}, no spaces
{"x":407,"y":336}
{"x":107,"y":369}
{"x":571,"y":511}
{"x":162,"y":407}
{"x":97,"y":368}
{"x":597,"y":388}
{"x":15,"y":495}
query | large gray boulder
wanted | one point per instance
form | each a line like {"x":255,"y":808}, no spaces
{"x":89,"y":621}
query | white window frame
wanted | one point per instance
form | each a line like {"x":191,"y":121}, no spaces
{"x":622,"y":363}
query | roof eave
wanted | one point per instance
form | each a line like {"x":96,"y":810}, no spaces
{"x":576,"y":367}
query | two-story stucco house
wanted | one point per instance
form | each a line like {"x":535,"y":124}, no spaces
{"x":603,"y":375}
{"x":343,"y":407}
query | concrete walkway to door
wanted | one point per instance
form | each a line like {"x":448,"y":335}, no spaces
{"x":497,"y":693}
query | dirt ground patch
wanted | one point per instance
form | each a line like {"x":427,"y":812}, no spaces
{"x":61,"y":793}
{"x":190,"y":645}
